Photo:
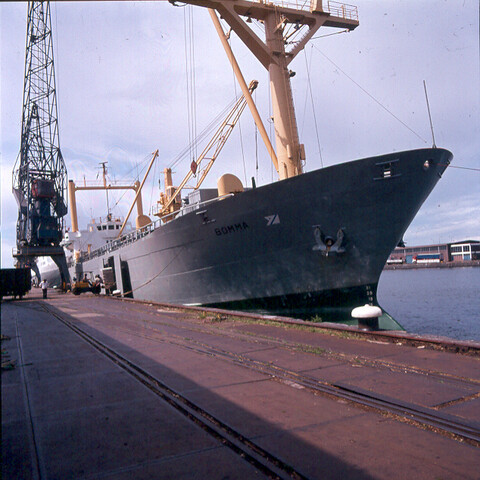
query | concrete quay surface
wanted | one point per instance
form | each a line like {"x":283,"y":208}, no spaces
{"x":72,"y":409}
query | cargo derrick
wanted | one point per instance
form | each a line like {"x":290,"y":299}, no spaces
{"x":288,"y":26}
{"x":39,"y":178}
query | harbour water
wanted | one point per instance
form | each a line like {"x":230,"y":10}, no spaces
{"x":437,"y":301}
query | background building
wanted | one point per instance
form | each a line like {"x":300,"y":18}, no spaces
{"x":463,"y":251}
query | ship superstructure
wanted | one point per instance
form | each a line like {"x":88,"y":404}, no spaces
{"x":76,"y":244}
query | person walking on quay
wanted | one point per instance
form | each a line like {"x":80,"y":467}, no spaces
{"x":44,"y":286}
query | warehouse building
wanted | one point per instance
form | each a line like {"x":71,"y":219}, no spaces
{"x":463,"y":251}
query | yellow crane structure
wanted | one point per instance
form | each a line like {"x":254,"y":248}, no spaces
{"x":288,"y":26}
{"x":170,"y":201}
{"x":141,"y":219}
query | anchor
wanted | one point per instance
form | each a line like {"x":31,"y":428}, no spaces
{"x":328,"y":245}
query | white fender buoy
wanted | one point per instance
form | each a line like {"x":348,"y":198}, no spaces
{"x":367,"y":311}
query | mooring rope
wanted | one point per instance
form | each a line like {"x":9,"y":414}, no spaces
{"x":153,"y":278}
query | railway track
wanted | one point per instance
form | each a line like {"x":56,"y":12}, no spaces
{"x":261,"y":459}
{"x":351,"y":358}
{"x":268,"y":464}
{"x":445,"y":344}
{"x":344,"y":357}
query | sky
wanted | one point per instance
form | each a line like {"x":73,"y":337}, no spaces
{"x":122,"y":93}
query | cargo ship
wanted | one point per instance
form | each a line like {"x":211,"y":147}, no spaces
{"x":310,"y":244}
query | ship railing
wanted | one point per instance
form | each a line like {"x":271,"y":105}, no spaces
{"x":336,"y":9}
{"x":190,"y":208}
{"x":144,"y":231}
{"x":196,"y":206}
{"x":341,"y":10}
{"x":294,"y":4}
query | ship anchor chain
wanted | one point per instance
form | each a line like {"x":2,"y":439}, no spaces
{"x":327,"y":245}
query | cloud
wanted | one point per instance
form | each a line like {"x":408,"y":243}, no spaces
{"x":453,"y":220}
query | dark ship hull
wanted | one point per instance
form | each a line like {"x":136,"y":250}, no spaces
{"x":316,"y":241}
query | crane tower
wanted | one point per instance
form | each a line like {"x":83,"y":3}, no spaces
{"x":40,"y":176}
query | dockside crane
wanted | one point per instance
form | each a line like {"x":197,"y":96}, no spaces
{"x":40,"y":175}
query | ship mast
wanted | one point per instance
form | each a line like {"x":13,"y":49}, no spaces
{"x":276,"y":52}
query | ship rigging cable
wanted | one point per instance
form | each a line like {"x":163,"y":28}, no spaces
{"x":330,"y":34}
{"x":189,"y":148}
{"x":203,"y":134}
{"x":313,"y":109}
{"x":180,"y":250}
{"x":229,"y":39}
{"x":463,"y":168}
{"x":153,"y":184}
{"x":144,"y":162}
{"x":371,"y":96}
{"x":190,"y":77}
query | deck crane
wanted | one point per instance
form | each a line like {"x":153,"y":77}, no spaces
{"x":40,"y":175}
{"x":288,"y":26}
{"x":170,"y":200}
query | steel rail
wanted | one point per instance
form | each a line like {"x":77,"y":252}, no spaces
{"x":261,"y":459}
{"x":421,"y":415}
{"x":375,"y":363}
{"x":458,"y":346}
{"x":425,"y":416}
{"x":37,"y":467}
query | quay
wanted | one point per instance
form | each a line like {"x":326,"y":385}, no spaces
{"x":118,"y":389}
{"x":416,"y":266}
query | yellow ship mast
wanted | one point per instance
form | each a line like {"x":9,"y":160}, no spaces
{"x":276,"y":52}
